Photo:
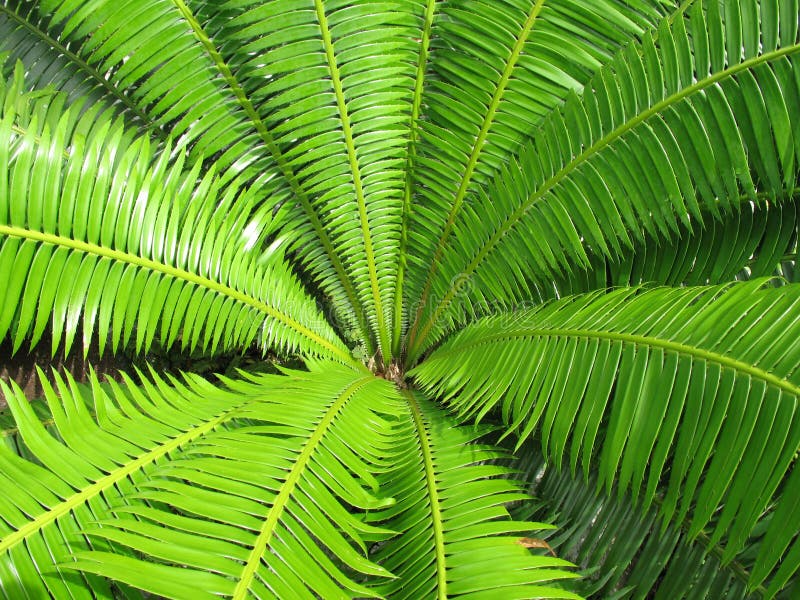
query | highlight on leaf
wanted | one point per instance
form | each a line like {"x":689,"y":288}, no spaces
{"x":107,"y":233}
{"x":678,"y":124}
{"x":400,"y":299}
{"x":681,"y":396}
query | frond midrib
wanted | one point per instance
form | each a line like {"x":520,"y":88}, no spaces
{"x":82,"y":64}
{"x":341,"y":103}
{"x":639,"y":340}
{"x":685,"y":5}
{"x":437,"y":522}
{"x":171,"y":271}
{"x":289,"y":484}
{"x":488,"y":120}
{"x":599,"y":145}
{"x":277,"y":155}
{"x":102,"y":484}
{"x":477,"y":148}
{"x":416,"y":105}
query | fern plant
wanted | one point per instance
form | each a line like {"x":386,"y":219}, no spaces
{"x":537,"y":258}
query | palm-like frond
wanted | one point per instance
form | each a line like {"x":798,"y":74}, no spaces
{"x":120,"y":42}
{"x":50,"y":64}
{"x":688,"y":122}
{"x":263,"y":488}
{"x":450,"y":510}
{"x":331,"y":85}
{"x":224,"y":124}
{"x":350,"y":181}
{"x":756,"y":239}
{"x":105,"y":228}
{"x":692,"y":391}
{"x":265,"y":508}
{"x":497,"y":68}
{"x":74,"y":476}
{"x":649,"y":561}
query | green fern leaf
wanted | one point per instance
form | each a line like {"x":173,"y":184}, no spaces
{"x":699,"y":377}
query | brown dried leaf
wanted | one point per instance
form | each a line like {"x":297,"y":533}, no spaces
{"x":535,"y":543}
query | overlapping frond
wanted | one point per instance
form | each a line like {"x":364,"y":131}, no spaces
{"x":153,"y":61}
{"x":496,"y":69}
{"x":269,"y":508}
{"x":144,"y":54}
{"x":649,"y":561}
{"x":690,"y":390}
{"x":672,"y":127}
{"x":50,"y":64}
{"x":99,"y":232}
{"x":171,"y":170}
{"x":755,"y":240}
{"x":400,"y":317}
{"x":331,"y":82}
{"x":62,"y":482}
{"x":456,"y":539}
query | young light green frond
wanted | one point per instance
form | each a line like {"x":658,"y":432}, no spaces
{"x":670,"y":128}
{"x":648,"y":561}
{"x":693,"y":390}
{"x":497,"y":68}
{"x":270,"y":507}
{"x":118,"y":240}
{"x":456,"y":538}
{"x":71,"y":477}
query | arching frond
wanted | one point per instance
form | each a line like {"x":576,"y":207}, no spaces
{"x":235,"y":491}
{"x":341,"y":184}
{"x":67,"y":480}
{"x":269,"y":507}
{"x":50,"y":64}
{"x":400,"y":318}
{"x":126,"y":242}
{"x":144,"y":56}
{"x":649,"y":561}
{"x":73,"y":48}
{"x":753,"y":241}
{"x":691,"y":390}
{"x":333,"y":90}
{"x":671,"y":128}
{"x":456,"y":538}
{"x":496,"y":70}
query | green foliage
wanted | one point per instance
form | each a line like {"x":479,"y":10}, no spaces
{"x":574,"y":221}
{"x":704,"y":376}
{"x":674,"y":126}
{"x":460,"y":500}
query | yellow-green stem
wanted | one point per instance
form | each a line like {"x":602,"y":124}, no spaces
{"x":92,"y":491}
{"x":344,"y":115}
{"x":437,"y":522}
{"x":286,"y":169}
{"x":641,"y":340}
{"x":477,"y":148}
{"x":416,"y":104}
